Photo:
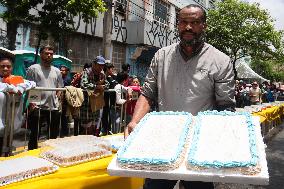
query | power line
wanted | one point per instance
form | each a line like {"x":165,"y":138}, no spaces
{"x":145,"y":11}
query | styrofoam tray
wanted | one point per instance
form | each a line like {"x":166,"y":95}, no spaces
{"x":182,"y":173}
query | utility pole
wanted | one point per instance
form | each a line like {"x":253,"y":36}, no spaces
{"x":107,"y":25}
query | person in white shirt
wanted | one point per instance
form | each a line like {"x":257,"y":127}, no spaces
{"x":123,"y":94}
{"x":255,"y":94}
{"x":47,"y":110}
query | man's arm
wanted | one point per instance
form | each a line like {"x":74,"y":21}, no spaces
{"x":225,"y":86}
{"x":141,"y":109}
{"x":149,"y":94}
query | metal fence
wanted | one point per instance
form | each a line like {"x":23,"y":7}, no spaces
{"x":39,"y":123}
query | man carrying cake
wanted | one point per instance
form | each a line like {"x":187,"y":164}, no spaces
{"x":190,"y":76}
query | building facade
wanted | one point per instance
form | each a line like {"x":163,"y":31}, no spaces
{"x":139,"y":29}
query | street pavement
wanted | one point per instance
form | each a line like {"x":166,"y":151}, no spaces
{"x":275,"y":160}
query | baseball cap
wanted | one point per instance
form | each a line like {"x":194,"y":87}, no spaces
{"x":100,"y":60}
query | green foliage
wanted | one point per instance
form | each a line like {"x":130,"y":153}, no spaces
{"x":51,"y":16}
{"x":241,"y":29}
{"x":269,"y":69}
{"x":87,"y":8}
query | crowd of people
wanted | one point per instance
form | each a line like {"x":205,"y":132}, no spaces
{"x":98,"y":99}
{"x":247,"y":94}
{"x":190,"y":76}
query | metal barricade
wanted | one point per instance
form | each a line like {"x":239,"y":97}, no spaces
{"x":40,"y":113}
{"x":109,"y":112}
{"x":7,"y":143}
{"x":122,"y":123}
{"x":34,"y":96}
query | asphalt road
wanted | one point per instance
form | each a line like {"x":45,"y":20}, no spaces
{"x":275,"y":160}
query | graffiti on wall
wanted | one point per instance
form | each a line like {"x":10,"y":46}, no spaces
{"x":160,"y":35}
{"x":89,"y":28}
{"x":119,"y":28}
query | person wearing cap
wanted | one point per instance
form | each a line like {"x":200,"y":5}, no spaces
{"x":94,"y":83}
{"x":255,"y":94}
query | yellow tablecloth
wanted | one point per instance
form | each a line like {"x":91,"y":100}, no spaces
{"x":270,"y":114}
{"x":91,"y":175}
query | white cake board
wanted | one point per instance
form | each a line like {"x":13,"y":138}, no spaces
{"x":182,"y":173}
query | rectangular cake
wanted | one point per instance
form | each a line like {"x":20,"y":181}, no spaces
{"x":23,"y":168}
{"x":74,"y":155}
{"x":76,"y":149}
{"x":157,"y":142}
{"x":82,"y":140}
{"x":116,"y":141}
{"x":224,"y":140}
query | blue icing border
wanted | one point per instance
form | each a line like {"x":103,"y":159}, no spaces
{"x":217,"y":164}
{"x":155,"y":161}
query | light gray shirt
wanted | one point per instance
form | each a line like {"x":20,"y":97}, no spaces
{"x":46,"y":77}
{"x":201,"y":83}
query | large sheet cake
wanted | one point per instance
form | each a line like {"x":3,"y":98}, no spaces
{"x":157,"y":143}
{"x":224,"y":140}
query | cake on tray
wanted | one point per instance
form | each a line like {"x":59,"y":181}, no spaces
{"x":116,"y":141}
{"x":23,"y":168}
{"x":86,"y":140}
{"x":75,"y":155}
{"x":76,"y":149}
{"x":224,"y":140}
{"x":158,"y":142}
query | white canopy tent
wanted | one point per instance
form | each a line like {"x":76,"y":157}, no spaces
{"x":245,"y":72}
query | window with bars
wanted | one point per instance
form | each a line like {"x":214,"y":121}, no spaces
{"x":161,"y":10}
{"x":120,"y":7}
{"x":118,"y":55}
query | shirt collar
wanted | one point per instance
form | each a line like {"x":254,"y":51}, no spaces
{"x":194,"y":53}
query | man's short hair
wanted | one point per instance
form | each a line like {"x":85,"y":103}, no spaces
{"x":109,"y":65}
{"x":6,"y":58}
{"x":46,"y":47}
{"x":125,"y":67}
{"x":204,"y":14}
{"x":63,"y":66}
{"x":121,"y":76}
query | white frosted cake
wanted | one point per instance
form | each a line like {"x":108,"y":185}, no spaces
{"x":224,"y":140}
{"x":157,"y":143}
{"x":116,"y":141}
{"x":23,"y":168}
{"x":71,"y":156}
{"x":80,"y":140}
{"x":74,"y":150}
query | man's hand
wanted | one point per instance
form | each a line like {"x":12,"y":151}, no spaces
{"x":129,"y":128}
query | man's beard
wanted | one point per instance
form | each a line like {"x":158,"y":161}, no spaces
{"x":195,"y":43}
{"x":47,"y":61}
